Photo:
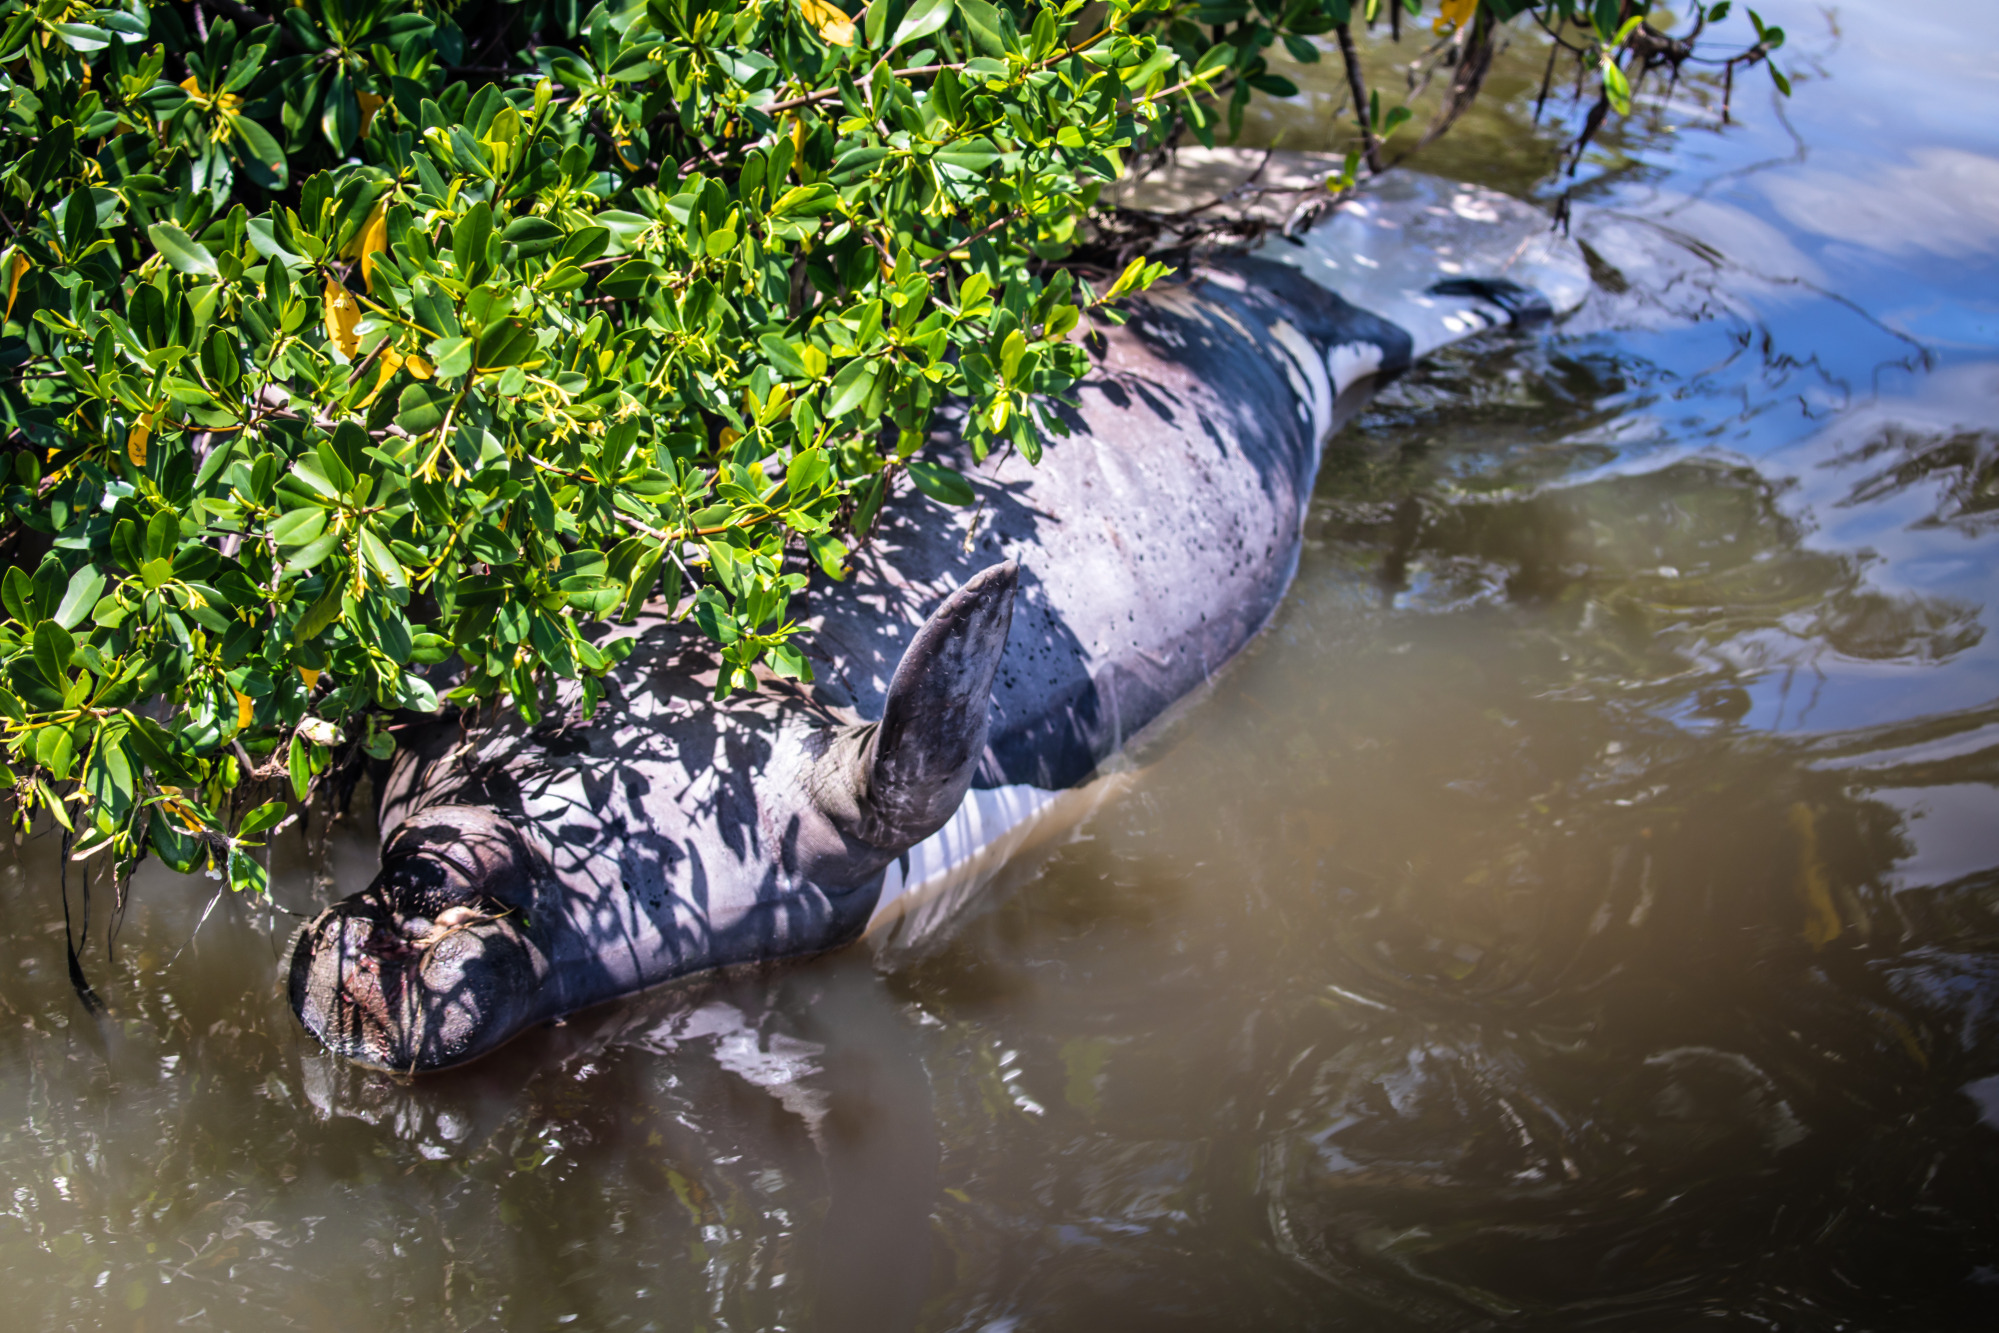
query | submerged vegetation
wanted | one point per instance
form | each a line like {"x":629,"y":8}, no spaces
{"x":346,"y":339}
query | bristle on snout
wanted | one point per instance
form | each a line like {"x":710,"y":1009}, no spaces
{"x":412,"y":990}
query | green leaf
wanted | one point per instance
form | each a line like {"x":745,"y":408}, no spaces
{"x":1616,"y":88}
{"x":18,"y":591}
{"x":162,"y":535}
{"x":452,"y":357}
{"x":322,"y":612}
{"x":394,"y":638}
{"x":1217,"y":57}
{"x":82,"y":36}
{"x":301,"y":768}
{"x":110,"y":776}
{"x":421,"y":408}
{"x":631,"y":279}
{"x":378,"y":556}
{"x":268,"y":815}
{"x":851,"y":387}
{"x":220,"y":455}
{"x":786,"y":660}
{"x":469,"y":237}
{"x":181,"y":250}
{"x":246,"y":874}
{"x":533,"y":235}
{"x":856,"y":162}
{"x":1274,"y":84}
{"x":34,"y":689}
{"x":299,"y":527}
{"x":1011,"y":352}
{"x":48,"y":583}
{"x":829,"y":552}
{"x":921,"y":19}
{"x":53,"y":649}
{"x":940,"y":483}
{"x":261,"y":151}
{"x":784,"y":358}
{"x":307,"y":557}
{"x":969,"y":154}
{"x":415,"y":694}
{"x":181,"y":851}
{"x":55,"y":750}
{"x":982,"y":21}
{"x":806,"y":201}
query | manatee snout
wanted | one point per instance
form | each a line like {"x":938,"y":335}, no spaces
{"x":415,"y":985}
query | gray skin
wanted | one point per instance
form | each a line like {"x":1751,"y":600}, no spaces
{"x":529,"y":872}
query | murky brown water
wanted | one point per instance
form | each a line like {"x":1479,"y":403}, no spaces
{"x":1581,"y":909}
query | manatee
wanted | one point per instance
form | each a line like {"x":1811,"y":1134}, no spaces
{"x":973,"y":668}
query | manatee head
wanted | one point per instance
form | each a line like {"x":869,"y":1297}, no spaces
{"x":780,"y":827}
{"x":429,"y":965}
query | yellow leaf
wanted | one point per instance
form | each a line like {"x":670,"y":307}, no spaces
{"x":244,"y":710}
{"x":418,"y":368}
{"x":371,"y":240}
{"x":192,"y":85}
{"x":500,"y":138}
{"x":135,"y":439}
{"x":310,"y":675}
{"x":1454,"y":14}
{"x":20,"y":267}
{"x":370,"y":104}
{"x":343,"y":316}
{"x":729,"y":436}
{"x":835,"y":27}
{"x":386,"y":366}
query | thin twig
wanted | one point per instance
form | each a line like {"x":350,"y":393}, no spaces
{"x":980,"y":234}
{"x":867,"y":80}
{"x":1351,"y":59}
{"x":1547,"y":76}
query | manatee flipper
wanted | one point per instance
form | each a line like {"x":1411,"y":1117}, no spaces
{"x":895,"y":782}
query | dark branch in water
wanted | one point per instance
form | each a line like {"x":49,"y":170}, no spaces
{"x":78,"y":982}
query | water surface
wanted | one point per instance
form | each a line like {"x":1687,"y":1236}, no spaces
{"x":1580,"y":909}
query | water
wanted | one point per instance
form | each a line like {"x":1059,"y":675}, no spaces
{"x":1578,"y":910}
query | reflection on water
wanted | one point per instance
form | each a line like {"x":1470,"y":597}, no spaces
{"x":1581,"y":909}
{"x":1962,"y":466}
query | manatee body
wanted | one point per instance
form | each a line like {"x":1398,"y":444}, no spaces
{"x":1008,"y":652}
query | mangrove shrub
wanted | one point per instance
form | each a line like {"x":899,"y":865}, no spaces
{"x":347,"y":338}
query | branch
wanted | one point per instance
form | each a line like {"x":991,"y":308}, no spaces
{"x":832,"y":94}
{"x":1474,"y":63}
{"x":1370,"y":148}
{"x":980,"y":234}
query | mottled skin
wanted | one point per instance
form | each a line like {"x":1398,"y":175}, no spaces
{"x":1154,"y":542}
{"x":532,"y":872}
{"x":529,"y":872}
